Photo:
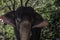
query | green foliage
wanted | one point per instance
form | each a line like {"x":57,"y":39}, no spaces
{"x":9,"y":30}
{"x":46,"y":8}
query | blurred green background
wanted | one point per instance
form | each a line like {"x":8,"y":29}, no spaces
{"x":49,"y":9}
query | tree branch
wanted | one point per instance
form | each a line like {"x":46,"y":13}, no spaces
{"x":21,"y":2}
{"x":14,"y":5}
{"x":8,"y":6}
{"x":1,"y":8}
{"x":26,"y":3}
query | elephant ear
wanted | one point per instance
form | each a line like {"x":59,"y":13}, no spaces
{"x":42,"y":24}
{"x":4,"y":20}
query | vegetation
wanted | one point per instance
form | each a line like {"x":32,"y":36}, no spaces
{"x":49,"y":9}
